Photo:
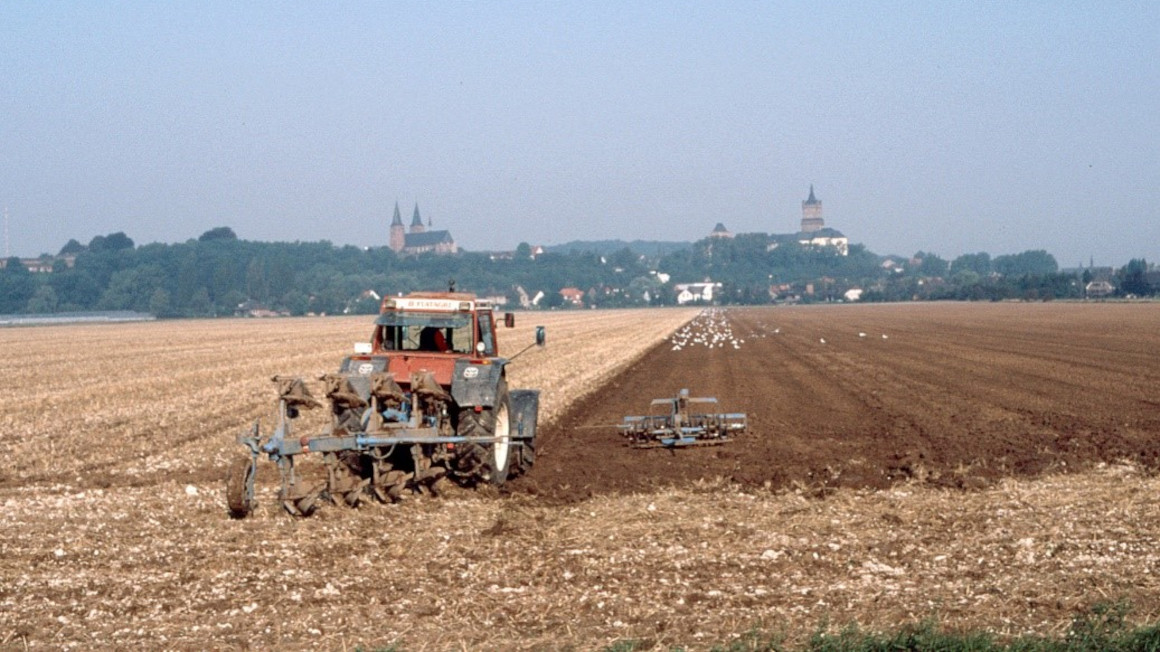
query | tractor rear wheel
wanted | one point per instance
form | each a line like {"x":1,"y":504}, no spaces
{"x":492,"y":458}
{"x":239,"y":498}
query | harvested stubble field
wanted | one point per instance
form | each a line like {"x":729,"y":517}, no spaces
{"x":989,"y":465}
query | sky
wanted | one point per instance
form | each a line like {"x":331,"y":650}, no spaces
{"x":945,"y":127}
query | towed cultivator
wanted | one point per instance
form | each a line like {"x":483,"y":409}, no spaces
{"x":682,"y":421}
{"x":426,"y":400}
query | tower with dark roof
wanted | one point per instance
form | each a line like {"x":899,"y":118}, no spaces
{"x":812,"y":213}
{"x":720,"y":231}
{"x":398,"y":235}
{"x":417,"y":222}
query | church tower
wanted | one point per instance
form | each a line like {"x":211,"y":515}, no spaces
{"x":398,"y":236}
{"x":812,"y":214}
{"x":417,"y":222}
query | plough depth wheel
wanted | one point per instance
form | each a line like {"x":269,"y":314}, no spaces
{"x":239,"y":484}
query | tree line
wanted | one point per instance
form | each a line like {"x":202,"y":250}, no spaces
{"x":217,"y":274}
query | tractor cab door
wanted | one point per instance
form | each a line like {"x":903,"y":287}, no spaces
{"x":487,"y":334}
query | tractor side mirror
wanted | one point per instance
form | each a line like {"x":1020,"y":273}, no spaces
{"x":541,"y":335}
{"x":509,"y":319}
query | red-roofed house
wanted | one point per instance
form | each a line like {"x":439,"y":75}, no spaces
{"x":573,"y":296}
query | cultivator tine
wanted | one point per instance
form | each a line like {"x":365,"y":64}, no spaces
{"x":353,"y":497}
{"x":389,"y":487}
{"x":304,"y":504}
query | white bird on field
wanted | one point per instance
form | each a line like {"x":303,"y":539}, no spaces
{"x":861,"y":334}
{"x":884,"y":336}
{"x":822,"y":340}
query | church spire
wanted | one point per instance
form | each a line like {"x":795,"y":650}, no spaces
{"x":812,"y":214}
{"x":398,"y":238}
{"x":416,"y":221}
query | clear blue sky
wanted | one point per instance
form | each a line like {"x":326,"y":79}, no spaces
{"x":936,"y":126}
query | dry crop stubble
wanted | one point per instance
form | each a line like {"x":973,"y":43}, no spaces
{"x":130,"y":403}
{"x":151,"y":560}
{"x":159,"y":567}
{"x":114,"y":529}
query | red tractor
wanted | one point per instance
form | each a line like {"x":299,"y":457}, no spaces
{"x":425,"y":401}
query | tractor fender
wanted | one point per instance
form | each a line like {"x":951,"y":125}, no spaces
{"x":476,"y":384}
{"x":525,"y":413}
{"x":358,"y":372}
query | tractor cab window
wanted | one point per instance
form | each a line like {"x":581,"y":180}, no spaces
{"x":487,"y":333}
{"x":429,"y":332}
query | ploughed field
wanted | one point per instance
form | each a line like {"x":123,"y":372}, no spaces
{"x":953,"y":395}
{"x":992,"y":466}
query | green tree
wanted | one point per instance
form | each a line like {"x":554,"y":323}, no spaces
{"x":159,"y":303}
{"x":113,"y":242}
{"x":931,"y":265}
{"x":979,"y":263}
{"x":257,"y":285}
{"x":75,"y":289}
{"x":1133,"y":278}
{"x":642,"y":290}
{"x":552,"y":300}
{"x":1037,"y":262}
{"x":218,"y":233}
{"x":200,"y":304}
{"x":366,"y":305}
{"x":72,"y":247}
{"x":296,"y":302}
{"x":131,"y":288}
{"x":43,"y":300}
{"x":966,"y":277}
{"x":17,"y":286}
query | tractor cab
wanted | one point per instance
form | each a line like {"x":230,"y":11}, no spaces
{"x":431,"y":331}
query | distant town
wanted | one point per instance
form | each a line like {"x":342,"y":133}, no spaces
{"x":220,"y":275}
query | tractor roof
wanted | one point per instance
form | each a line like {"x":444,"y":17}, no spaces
{"x":456,"y":296}
{"x":436,"y":302}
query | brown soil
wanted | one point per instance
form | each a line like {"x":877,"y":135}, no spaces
{"x":114,"y":532}
{"x":952,"y":395}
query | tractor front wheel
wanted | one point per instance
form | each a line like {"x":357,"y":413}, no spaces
{"x":491,"y":458}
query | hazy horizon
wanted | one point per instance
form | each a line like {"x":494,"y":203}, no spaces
{"x":950,"y":128}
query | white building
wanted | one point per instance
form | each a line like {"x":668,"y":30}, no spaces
{"x":689,"y":292}
{"x":826,"y":237}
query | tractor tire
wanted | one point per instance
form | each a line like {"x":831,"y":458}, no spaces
{"x":493,"y":459}
{"x":238,"y":478}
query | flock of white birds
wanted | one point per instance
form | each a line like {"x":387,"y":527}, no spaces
{"x":712,"y":329}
